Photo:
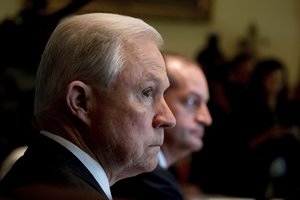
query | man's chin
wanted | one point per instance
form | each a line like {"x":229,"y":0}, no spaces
{"x":148,"y":165}
{"x":152,"y":165}
{"x":196,"y":146}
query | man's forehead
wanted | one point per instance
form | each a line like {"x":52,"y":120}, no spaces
{"x":156,"y":77}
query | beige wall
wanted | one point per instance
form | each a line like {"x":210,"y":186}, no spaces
{"x":8,"y":8}
{"x":278,"y":22}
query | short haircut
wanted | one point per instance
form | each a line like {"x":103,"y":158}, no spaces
{"x":174,"y":83}
{"x":89,"y":48}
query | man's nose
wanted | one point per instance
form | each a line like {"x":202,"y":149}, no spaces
{"x":164,"y":117}
{"x":203,"y":115}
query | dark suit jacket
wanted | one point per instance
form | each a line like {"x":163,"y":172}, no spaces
{"x":159,"y":184}
{"x":294,"y":195}
{"x":46,"y":162}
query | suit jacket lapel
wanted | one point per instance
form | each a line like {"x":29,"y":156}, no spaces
{"x":58,"y":153}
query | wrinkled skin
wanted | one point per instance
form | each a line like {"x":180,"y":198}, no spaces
{"x":127,"y":123}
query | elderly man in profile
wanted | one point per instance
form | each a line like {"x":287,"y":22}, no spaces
{"x":187,"y":98}
{"x":99,"y":104}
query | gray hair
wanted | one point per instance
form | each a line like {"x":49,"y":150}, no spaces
{"x":89,"y":47}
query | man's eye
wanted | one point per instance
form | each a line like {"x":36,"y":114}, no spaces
{"x":191,"y":101}
{"x":147,"y":92}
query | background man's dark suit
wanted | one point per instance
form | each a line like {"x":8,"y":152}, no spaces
{"x":159,"y":184}
{"x":46,"y":162}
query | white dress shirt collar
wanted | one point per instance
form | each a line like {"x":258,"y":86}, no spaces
{"x":93,"y":166}
{"x":162,"y":160}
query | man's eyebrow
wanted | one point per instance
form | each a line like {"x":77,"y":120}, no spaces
{"x":152,"y":77}
{"x":199,"y":96}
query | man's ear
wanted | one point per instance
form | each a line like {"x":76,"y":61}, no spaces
{"x":78,"y":98}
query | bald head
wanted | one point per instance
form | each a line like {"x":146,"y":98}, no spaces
{"x":179,"y":68}
{"x":187,"y":98}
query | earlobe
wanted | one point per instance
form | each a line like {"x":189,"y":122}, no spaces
{"x":78,"y":96}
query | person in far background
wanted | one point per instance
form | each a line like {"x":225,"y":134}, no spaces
{"x":99,"y":105}
{"x":211,"y":57}
{"x":268,"y":131}
{"x":24,"y":37}
{"x":219,"y":160}
{"x":187,"y":98}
